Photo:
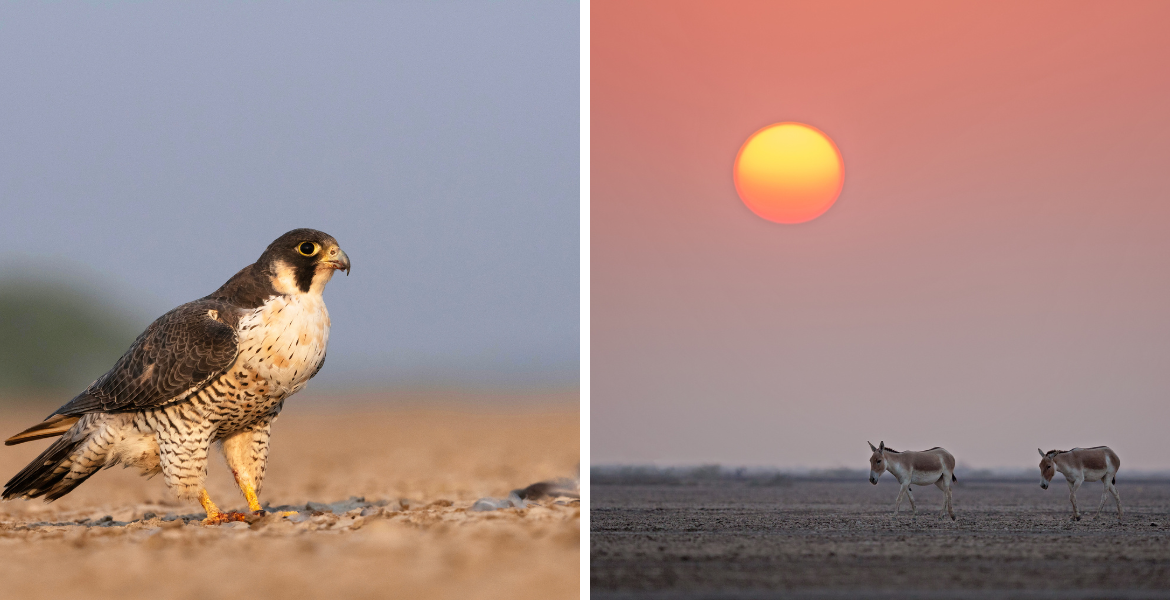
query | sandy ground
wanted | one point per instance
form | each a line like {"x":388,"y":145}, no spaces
{"x":835,"y":539}
{"x":391,"y":488}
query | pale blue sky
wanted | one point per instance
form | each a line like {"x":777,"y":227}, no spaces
{"x":153,"y":150}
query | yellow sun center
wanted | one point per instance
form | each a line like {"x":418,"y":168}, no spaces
{"x":789,"y":173}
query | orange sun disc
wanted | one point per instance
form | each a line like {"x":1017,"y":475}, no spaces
{"x":789,"y":173}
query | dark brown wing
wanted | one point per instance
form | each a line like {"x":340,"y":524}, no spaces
{"x":175,"y":357}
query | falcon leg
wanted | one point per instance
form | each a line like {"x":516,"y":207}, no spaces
{"x":183,"y":440}
{"x":250,"y":496}
{"x":208,"y":505}
{"x":246,"y":452}
{"x":214,"y":516}
{"x":254,"y":502}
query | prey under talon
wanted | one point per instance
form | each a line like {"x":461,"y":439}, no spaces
{"x":214,"y":516}
{"x":227,"y":517}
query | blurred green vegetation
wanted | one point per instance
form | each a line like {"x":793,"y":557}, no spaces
{"x":57,"y":337}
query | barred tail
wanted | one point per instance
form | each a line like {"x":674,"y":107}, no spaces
{"x":61,"y":467}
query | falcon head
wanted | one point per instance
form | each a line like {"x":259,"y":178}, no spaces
{"x":303,"y":260}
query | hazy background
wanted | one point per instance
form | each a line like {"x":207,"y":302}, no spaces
{"x":994,"y":277}
{"x":149,"y":151}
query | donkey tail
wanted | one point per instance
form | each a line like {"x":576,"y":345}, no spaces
{"x":953,"y":478}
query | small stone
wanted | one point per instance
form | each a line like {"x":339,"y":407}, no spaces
{"x":319,"y":507}
{"x":148,"y":516}
{"x":348,"y":505}
{"x":489,"y":504}
{"x":234,"y":525}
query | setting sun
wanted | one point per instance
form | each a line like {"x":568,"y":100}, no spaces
{"x":789,"y":173}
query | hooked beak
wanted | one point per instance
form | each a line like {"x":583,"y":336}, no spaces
{"x":337,"y":259}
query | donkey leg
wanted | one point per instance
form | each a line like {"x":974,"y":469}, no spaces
{"x":913,"y":508}
{"x":950,"y":508}
{"x":944,"y":485}
{"x":901,"y":492}
{"x":1072,"y":497}
{"x":1104,"y":496}
{"x":1113,"y":489}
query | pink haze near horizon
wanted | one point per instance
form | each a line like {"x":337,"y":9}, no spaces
{"x":994,"y":278}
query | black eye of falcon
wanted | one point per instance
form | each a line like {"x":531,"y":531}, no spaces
{"x":308,"y":248}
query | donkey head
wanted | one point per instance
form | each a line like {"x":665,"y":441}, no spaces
{"x":1047,"y":467}
{"x":877,"y":462}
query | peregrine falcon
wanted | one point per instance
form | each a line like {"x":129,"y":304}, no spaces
{"x":216,"y":370}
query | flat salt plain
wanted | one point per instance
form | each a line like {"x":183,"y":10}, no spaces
{"x":836,"y":539}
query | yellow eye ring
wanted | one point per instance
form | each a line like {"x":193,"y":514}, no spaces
{"x":308,"y":248}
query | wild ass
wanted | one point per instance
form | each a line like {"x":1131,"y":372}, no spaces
{"x":1080,"y":465}
{"x":935,"y":466}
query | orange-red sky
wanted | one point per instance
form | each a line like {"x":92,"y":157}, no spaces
{"x":996,"y":272}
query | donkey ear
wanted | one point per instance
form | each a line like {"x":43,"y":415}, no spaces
{"x":1042,"y":455}
{"x":881,"y":445}
{"x":872,"y":447}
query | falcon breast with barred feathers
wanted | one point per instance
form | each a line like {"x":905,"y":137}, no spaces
{"x":216,"y":370}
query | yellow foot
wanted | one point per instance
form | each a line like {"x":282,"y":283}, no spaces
{"x":214,"y":516}
{"x":224,"y":517}
{"x":250,"y":496}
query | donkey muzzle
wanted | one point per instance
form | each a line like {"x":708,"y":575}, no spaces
{"x":1043,"y":485}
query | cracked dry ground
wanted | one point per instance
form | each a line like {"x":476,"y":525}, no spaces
{"x":382,"y":498}
{"x":838,"y":539}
